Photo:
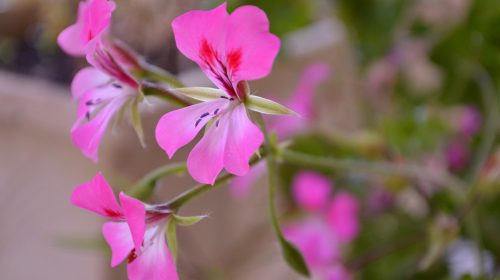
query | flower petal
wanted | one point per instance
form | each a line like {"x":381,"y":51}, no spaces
{"x":86,"y":79}
{"x":206,"y":159}
{"x":135,"y":213}
{"x":243,"y":139}
{"x":311,"y":191}
{"x":154,"y":263}
{"x":97,"y":196}
{"x":195,"y":27}
{"x":177,"y":128}
{"x":250,"y":47}
{"x":88,"y":136}
{"x":118,"y":237}
{"x":70,"y":41}
{"x":96,"y":19}
{"x":343,"y":216}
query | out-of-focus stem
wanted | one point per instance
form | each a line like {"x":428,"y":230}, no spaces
{"x":382,"y":168}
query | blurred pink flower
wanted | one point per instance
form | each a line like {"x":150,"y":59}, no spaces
{"x":343,"y":216}
{"x":469,"y":121}
{"x":94,"y":18}
{"x":311,"y":191}
{"x":316,"y":241}
{"x":100,"y":97}
{"x":134,"y":233}
{"x":302,"y":102}
{"x":230,"y":49}
{"x":332,"y":222}
{"x":457,"y":155}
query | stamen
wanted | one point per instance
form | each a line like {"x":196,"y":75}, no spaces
{"x":87,"y":115}
{"x":225,"y":97}
{"x":89,"y":103}
{"x":204,"y":115}
{"x":217,"y":123}
{"x":216,"y":111}
{"x":116,"y":85}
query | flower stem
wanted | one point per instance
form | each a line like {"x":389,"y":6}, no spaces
{"x":154,"y":89}
{"x":144,"y":187}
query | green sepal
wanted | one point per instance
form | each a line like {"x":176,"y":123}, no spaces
{"x":266,"y":106}
{"x":187,"y":220}
{"x":201,"y":93}
{"x":135,"y":118}
{"x":171,"y":235}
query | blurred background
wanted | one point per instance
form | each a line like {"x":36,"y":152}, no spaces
{"x":411,"y":82}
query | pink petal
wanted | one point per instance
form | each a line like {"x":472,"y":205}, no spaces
{"x":87,"y":137}
{"x":70,"y":42}
{"x":311,"y":191}
{"x":195,"y":27}
{"x":343,"y":216}
{"x":240,"y":186}
{"x":87,"y":79}
{"x":96,"y":19}
{"x":97,"y":196}
{"x":206,"y":159}
{"x":177,"y":128}
{"x":248,"y":35}
{"x":154,"y":263}
{"x":315,"y":241}
{"x":244,"y":138}
{"x":135,"y":213}
{"x":118,"y":237}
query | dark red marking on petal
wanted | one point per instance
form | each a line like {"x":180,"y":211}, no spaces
{"x":220,"y":70}
{"x":112,"y":213}
{"x":132,"y":256}
{"x":234,"y":60}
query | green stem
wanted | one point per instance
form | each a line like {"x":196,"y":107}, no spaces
{"x":145,"y":186}
{"x":157,"y":74}
{"x":154,"y":89}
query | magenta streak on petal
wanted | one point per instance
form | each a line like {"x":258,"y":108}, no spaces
{"x":101,"y":59}
{"x":219,"y":69}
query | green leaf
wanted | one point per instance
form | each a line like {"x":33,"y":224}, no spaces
{"x":266,"y":106}
{"x":293,"y":256}
{"x":201,"y":93}
{"x":172,"y":238}
{"x":188,"y":220}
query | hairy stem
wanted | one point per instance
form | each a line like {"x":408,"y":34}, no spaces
{"x":145,"y":186}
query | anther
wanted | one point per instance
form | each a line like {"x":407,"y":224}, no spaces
{"x":197,"y":123}
{"x":204,"y":115}
{"x":216,"y":111}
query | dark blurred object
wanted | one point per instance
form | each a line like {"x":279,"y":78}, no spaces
{"x":20,"y":48}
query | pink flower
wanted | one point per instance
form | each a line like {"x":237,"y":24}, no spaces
{"x":343,"y":216}
{"x":100,"y":98}
{"x":94,"y":18}
{"x":134,"y":233}
{"x":311,"y":191}
{"x":230,"y":49}
{"x":302,"y":102}
{"x":320,"y":247}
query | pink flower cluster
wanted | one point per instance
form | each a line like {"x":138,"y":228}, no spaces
{"x":231,"y":49}
{"x":331,"y":222}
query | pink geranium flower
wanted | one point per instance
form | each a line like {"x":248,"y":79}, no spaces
{"x":94,"y":18}
{"x":331,"y":223}
{"x":134,"y":233}
{"x":230,"y":49}
{"x":100,"y":98}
